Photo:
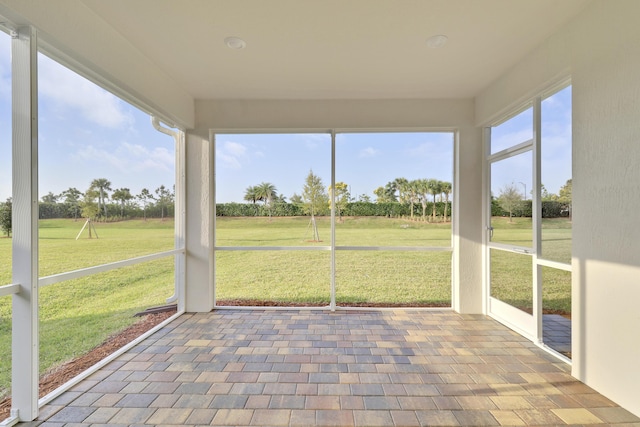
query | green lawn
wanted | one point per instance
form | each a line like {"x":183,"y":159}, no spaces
{"x":77,"y":315}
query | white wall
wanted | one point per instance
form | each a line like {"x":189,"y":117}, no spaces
{"x":601,"y":51}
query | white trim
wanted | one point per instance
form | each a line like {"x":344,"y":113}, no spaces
{"x":397,"y":248}
{"x":554,"y":264}
{"x":76,"y":274}
{"x":332,"y":292}
{"x":9,"y":289}
{"x":273,"y":248}
{"x":536,"y":216}
{"x":339,"y":248}
{"x":24,"y":336}
{"x":512,"y":151}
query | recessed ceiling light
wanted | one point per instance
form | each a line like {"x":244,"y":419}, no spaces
{"x":235,"y":43}
{"x":437,"y":41}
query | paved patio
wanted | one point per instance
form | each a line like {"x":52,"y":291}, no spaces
{"x":363,"y":368}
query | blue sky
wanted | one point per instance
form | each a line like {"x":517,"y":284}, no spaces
{"x":87,"y":133}
{"x":364,"y":161}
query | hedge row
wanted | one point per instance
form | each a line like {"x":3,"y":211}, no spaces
{"x":550,"y":209}
{"x":350,"y":209}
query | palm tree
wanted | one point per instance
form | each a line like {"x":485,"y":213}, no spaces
{"x":251,"y":195}
{"x":266,"y":192}
{"x":434,"y":188}
{"x":412,"y":193}
{"x":101,"y":185}
{"x":423,"y":191}
{"x":400,"y":184}
{"x":446,"y":189}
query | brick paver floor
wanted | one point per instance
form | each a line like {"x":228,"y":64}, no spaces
{"x":362,"y":368}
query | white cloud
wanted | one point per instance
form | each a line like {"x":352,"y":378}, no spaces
{"x":73,"y":92}
{"x":368,"y":152}
{"x":234,"y":148}
{"x":128,"y":158}
{"x":230,"y":154}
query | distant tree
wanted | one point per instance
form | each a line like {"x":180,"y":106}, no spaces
{"x":164,"y":197}
{"x":122,"y":195}
{"x":296,"y":199}
{"x":251,"y":195}
{"x":446,"y":189}
{"x":50,"y":198}
{"x":412,"y":193}
{"x":434,"y":187}
{"x":5,"y":217}
{"x":103,"y":186}
{"x":422,"y":190}
{"x":386,"y":194}
{"x":509,"y":199}
{"x":313,"y":194}
{"x":399,"y":185}
{"x":341,"y":196}
{"x":364,"y":198}
{"x":564,"y":195}
{"x":545,"y":195}
{"x":266,"y":192}
{"x":145,"y":197}
{"x":90,"y":208}
{"x":72,"y":198}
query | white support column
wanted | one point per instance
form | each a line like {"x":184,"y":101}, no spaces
{"x":200,"y":211}
{"x":24,"y":346}
{"x":467,"y":221}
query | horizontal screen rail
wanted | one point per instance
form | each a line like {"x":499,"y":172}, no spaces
{"x":76,"y":274}
{"x":272,"y":248}
{"x":9,"y":289}
{"x":396,"y":248}
{"x":338,"y":248}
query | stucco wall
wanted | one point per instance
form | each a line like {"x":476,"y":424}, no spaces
{"x":601,"y":51}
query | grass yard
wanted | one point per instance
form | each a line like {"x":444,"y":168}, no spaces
{"x":379,"y":277}
{"x":79,"y":314}
{"x":511,"y":273}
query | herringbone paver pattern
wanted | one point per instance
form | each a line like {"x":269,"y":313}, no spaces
{"x":361,"y":368}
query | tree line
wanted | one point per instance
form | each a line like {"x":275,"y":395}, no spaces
{"x":100,"y":202}
{"x":511,"y":202}
{"x":315,"y":199}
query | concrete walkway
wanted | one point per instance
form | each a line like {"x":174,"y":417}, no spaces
{"x":363,"y":368}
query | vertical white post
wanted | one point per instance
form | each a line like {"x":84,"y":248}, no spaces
{"x":179,"y":214}
{"x":333,"y":221}
{"x":24,"y":346}
{"x":537,"y":216}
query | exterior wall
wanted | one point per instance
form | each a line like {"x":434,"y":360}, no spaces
{"x":260,"y":115}
{"x":601,"y":48}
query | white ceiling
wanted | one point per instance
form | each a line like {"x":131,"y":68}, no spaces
{"x":334,"y":49}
